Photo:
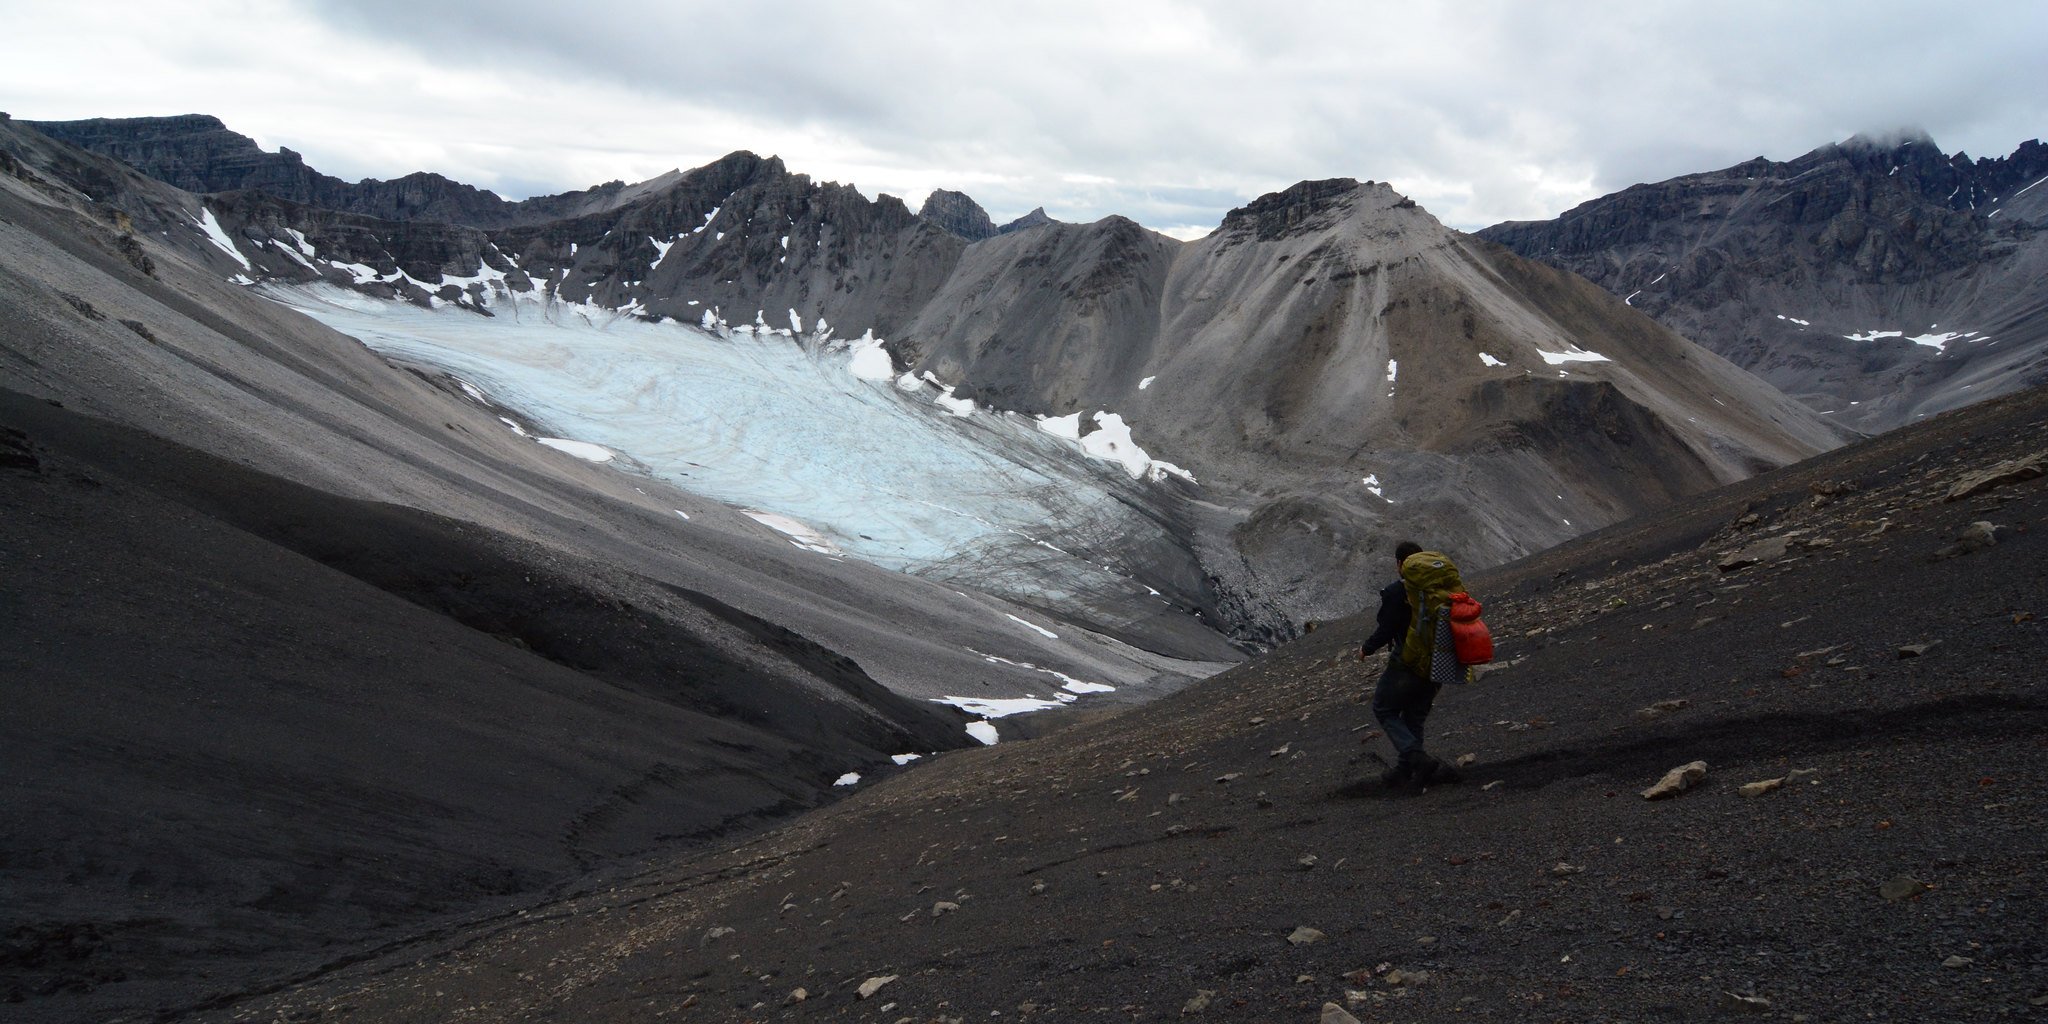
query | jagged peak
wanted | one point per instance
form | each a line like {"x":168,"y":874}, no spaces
{"x":1035,"y":218}
{"x":958,"y":213}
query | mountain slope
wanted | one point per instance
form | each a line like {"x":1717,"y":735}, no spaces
{"x":1332,"y":365}
{"x":1160,"y":864}
{"x":1333,"y":333}
{"x":318,"y":650}
{"x":1876,"y":280}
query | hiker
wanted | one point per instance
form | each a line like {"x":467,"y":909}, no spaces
{"x":1402,"y":700}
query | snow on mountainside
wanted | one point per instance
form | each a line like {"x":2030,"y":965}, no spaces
{"x":1332,"y":366}
{"x":1877,"y":280}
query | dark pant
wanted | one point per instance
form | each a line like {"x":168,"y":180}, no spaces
{"x":1401,"y":703}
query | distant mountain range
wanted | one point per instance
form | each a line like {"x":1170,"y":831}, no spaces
{"x":1876,"y":280}
{"x":1333,"y":365}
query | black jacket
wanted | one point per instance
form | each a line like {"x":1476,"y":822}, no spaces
{"x":1393,"y":619}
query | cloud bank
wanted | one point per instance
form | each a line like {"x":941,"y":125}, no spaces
{"x":1167,"y":111}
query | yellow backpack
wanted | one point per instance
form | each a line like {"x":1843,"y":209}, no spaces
{"x":1430,"y":578}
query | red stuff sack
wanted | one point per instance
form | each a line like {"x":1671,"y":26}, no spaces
{"x":1469,"y":636}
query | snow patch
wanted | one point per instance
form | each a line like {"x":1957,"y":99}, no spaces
{"x":1111,"y":441}
{"x":999,"y":707}
{"x":1068,"y":426}
{"x":1033,"y":626}
{"x":581,"y":449}
{"x":219,"y":238}
{"x":1575,"y":355}
{"x":660,"y":251}
{"x":1146,"y":383}
{"x":870,"y":359}
{"x":1795,"y":320}
{"x":848,"y":779}
{"x":1489,"y":360}
{"x":905,"y":758}
{"x":1372,"y":483}
{"x":1938,"y":342}
{"x":799,"y":534}
{"x":983,"y":731}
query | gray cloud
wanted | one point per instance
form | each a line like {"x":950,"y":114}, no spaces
{"x":1168,"y":111}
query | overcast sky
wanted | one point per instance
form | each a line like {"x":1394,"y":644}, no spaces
{"x":1167,"y":111}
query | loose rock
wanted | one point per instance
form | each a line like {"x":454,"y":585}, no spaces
{"x":714,"y":935}
{"x":1304,"y":935}
{"x":2009,"y":472}
{"x":1768,"y":550}
{"x":798,"y":995}
{"x":1677,"y":781}
{"x":1199,"y":1003}
{"x":1916,"y":650}
{"x":1957,"y":963}
{"x":1761,"y":787}
{"x":873,"y":985}
{"x":1744,"y":1004}
{"x":1334,"y":1014}
{"x":944,"y":907}
{"x":1902,"y":887}
{"x":1662,"y":708}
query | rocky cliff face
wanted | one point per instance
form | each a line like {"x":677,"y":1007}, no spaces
{"x":1879,"y":281}
{"x":1333,"y":365}
{"x":957,"y":213}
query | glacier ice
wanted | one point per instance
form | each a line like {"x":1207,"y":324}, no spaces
{"x":814,"y":437}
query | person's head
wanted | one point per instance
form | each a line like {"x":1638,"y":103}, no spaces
{"x":1403,"y":550}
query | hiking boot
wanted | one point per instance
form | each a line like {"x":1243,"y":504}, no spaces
{"x":1398,"y":774}
{"x":1439,"y":773}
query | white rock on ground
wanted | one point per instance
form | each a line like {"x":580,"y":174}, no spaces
{"x":1677,"y":781}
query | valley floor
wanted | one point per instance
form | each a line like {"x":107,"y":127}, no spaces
{"x":1159,"y":862}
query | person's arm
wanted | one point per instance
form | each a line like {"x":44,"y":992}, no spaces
{"x":1393,"y":620}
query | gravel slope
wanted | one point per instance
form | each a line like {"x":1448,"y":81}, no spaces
{"x":1154,"y":863}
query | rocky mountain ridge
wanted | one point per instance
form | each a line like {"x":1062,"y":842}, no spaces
{"x":1878,"y":279}
{"x":1332,"y":364}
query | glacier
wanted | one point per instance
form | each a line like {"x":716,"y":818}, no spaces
{"x":808,"y":434}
